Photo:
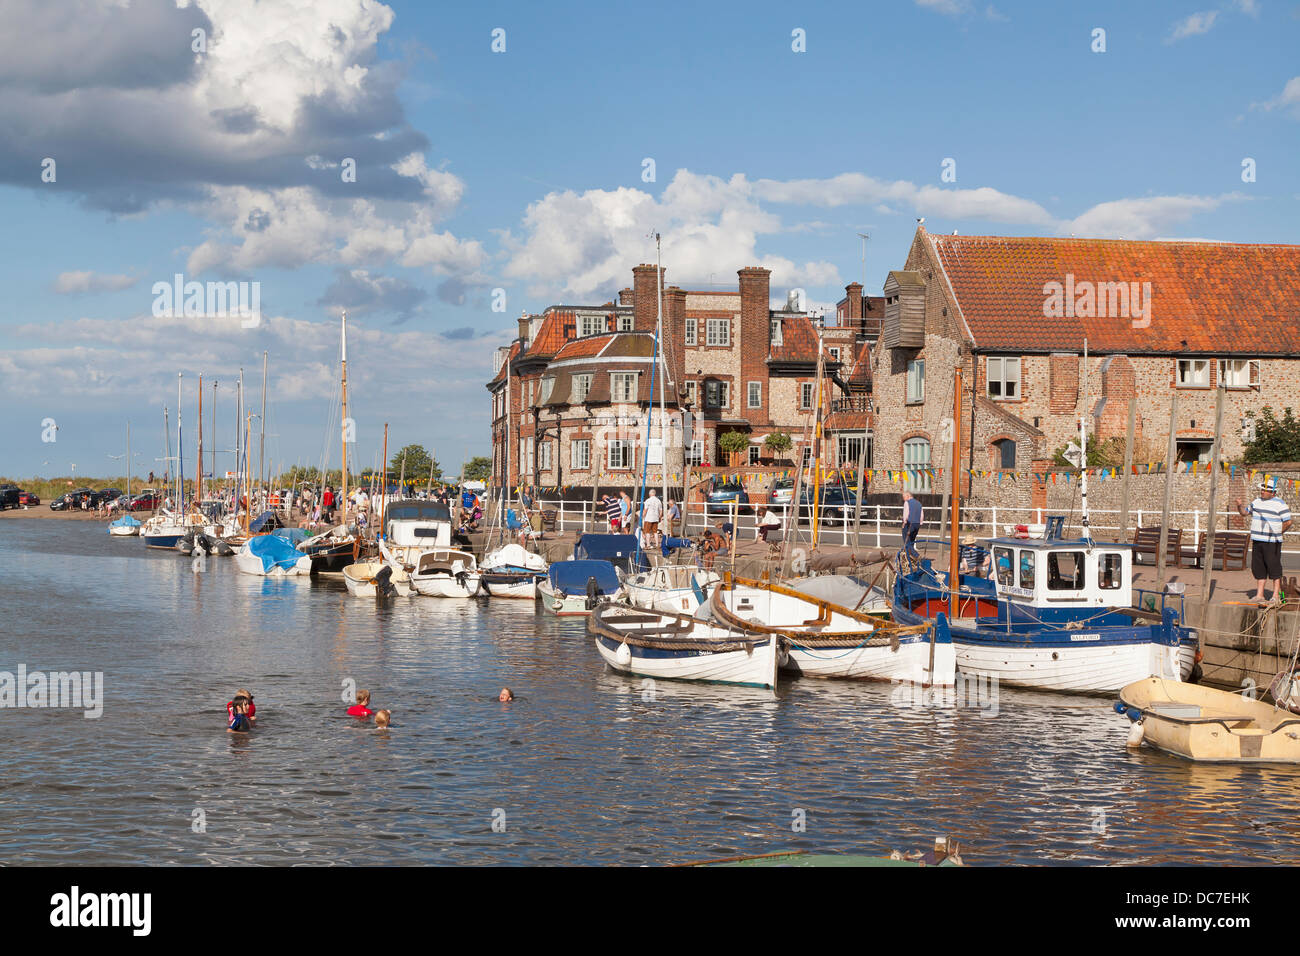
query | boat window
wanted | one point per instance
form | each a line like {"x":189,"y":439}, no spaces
{"x":1110,"y":571}
{"x":1027,"y":570}
{"x":1002,"y":560}
{"x":1065,"y":571}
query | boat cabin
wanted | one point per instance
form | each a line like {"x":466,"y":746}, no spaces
{"x":1056,"y":573}
{"x":417,"y":524}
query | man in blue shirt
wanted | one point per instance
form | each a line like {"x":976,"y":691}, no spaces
{"x":911,"y":523}
{"x":1270,"y":518}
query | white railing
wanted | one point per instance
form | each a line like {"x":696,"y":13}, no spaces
{"x":881,"y":525}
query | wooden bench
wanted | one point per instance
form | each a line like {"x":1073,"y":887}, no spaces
{"x":548,"y":521}
{"x":1147,"y":541}
{"x":1230,"y":548}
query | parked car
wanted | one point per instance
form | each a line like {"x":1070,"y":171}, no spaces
{"x":27,"y":498}
{"x":722,"y":494}
{"x":835,"y":504}
{"x":70,"y":500}
{"x":147,"y":500}
{"x":781,"y":494}
{"x":9,"y":496}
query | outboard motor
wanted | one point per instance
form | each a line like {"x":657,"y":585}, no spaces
{"x":185,"y":543}
{"x":593,"y":593}
{"x":384,"y":587}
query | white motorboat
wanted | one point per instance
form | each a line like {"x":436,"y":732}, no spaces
{"x":573,"y":588}
{"x":670,"y":587}
{"x":666,"y":645}
{"x":270,"y":555}
{"x":124,"y":527}
{"x":825,"y":639}
{"x":365,"y":579}
{"x":446,"y":573}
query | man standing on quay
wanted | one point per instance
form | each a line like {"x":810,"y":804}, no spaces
{"x":911,"y":523}
{"x":1270,"y":518}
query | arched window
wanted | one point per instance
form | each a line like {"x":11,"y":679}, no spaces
{"x":916,"y":459}
{"x":1004,"y":453}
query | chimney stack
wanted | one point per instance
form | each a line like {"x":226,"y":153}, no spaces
{"x":755,"y":338}
{"x":854,"y":292}
{"x":645,"y":297}
{"x":625,"y":297}
{"x":674,"y":340}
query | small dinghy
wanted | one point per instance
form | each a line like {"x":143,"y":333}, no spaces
{"x":512,"y":572}
{"x":670,"y":587}
{"x":664,"y":644}
{"x":125,"y":526}
{"x":1203,"y":724}
{"x":271,"y":556}
{"x":370,"y":579}
{"x":447,"y":573}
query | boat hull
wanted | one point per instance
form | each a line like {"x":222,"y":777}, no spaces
{"x":166,"y":542}
{"x":754,"y":667}
{"x":249,"y":563}
{"x":499,"y":584}
{"x":360,"y":580}
{"x":1212,"y":726}
{"x":908,"y":663}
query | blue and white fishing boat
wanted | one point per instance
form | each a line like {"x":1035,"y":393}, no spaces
{"x":573,"y":588}
{"x":512,"y":571}
{"x":1054,"y":614}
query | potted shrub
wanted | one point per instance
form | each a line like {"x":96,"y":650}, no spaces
{"x":734,"y":445}
{"x":778,"y":443}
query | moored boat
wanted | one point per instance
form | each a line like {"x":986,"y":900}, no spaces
{"x":366,"y":579}
{"x":671,"y":646}
{"x":670,"y":587}
{"x":445,"y":573}
{"x":573,"y":588}
{"x":1204,"y":724}
{"x":512,"y":571}
{"x":824,"y":639}
{"x":269,"y":555}
{"x":125,"y":526}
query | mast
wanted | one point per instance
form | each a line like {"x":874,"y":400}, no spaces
{"x":167,"y":451}
{"x":1083,"y":448}
{"x":956,"y":503}
{"x":505,"y":475}
{"x":214,"y":429}
{"x":180,"y":448}
{"x":261,"y":451}
{"x":345,"y":418}
{"x":659,"y":336}
{"x":198,"y":462}
{"x":817,"y":446}
{"x":383,"y":501}
{"x":128,"y":459}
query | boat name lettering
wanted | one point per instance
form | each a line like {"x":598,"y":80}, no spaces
{"x":1085,"y":637}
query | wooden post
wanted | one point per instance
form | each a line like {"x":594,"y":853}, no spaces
{"x":1128,"y":470}
{"x":1214,"y":495}
{"x":862,"y":465}
{"x":1171,"y":463}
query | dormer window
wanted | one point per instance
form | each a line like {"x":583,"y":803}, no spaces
{"x":776,"y":332}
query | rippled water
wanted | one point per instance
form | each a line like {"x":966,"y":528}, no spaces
{"x":585,"y":766}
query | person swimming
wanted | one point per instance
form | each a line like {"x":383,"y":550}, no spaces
{"x":506,"y":695}
{"x":239,"y":722}
{"x":383,"y":718}
{"x":248,"y":699}
{"x":361,"y":708}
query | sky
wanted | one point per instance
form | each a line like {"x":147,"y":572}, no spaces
{"x":436,"y":169}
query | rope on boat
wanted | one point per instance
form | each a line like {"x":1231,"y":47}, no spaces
{"x":890,"y":641}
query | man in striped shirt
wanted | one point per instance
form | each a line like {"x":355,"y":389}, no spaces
{"x":1270,"y":518}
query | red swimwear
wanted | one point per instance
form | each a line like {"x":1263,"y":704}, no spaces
{"x":360,"y":710}
{"x":230,"y":709}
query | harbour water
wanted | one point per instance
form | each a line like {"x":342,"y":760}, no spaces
{"x":584,"y":767}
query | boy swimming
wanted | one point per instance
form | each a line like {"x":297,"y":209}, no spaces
{"x":361,"y":708}
{"x":239,"y":722}
{"x":383,"y":718}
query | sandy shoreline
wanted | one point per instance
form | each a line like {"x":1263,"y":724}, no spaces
{"x":43,"y":511}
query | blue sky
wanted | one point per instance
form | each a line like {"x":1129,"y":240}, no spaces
{"x":523,"y":170}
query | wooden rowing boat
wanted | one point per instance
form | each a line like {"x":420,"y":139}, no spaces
{"x":1204,"y":724}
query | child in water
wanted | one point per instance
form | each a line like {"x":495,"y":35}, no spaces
{"x":361,"y":708}
{"x":382,"y":718}
{"x":239,"y":722}
{"x":244,"y":695}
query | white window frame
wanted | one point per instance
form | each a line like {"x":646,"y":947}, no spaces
{"x":696,"y":455}
{"x":847,"y":458}
{"x":590,"y":325}
{"x":625,"y":323}
{"x":916,"y":382}
{"x":581,"y":388}
{"x":998,"y":368}
{"x":547,"y":387}
{"x":722,"y":393}
{"x":1230,"y":369}
{"x":755,"y":452}
{"x":807,"y":394}
{"x":1184,"y":369}
{"x":690,"y":331}
{"x":718,"y":332}
{"x":623,"y":447}
{"x":776,"y":332}
{"x":918,"y":480}
{"x":753,"y":400}
{"x":543,"y":455}
{"x":618,"y":387}
{"x":692,"y":394}
{"x":580,"y":454}
{"x":834,"y":352}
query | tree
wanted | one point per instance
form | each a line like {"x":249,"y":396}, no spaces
{"x":417,"y":463}
{"x":1275,"y":439}
{"x":779,"y":443}
{"x":1101,"y":454}
{"x":478,"y":468}
{"x":733,"y":442}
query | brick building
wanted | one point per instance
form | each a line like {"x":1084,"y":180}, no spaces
{"x":579,"y":383}
{"x":1016,"y":314}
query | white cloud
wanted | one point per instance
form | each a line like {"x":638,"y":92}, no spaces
{"x":1143,"y":218}
{"x":1288,"y":99}
{"x":70,"y":283}
{"x":1194,"y":24}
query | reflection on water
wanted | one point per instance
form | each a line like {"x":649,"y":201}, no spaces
{"x":584,"y":766}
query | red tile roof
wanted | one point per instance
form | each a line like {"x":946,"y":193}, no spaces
{"x":1204,"y":296}
{"x":583,"y":348}
{"x":557,"y":328}
{"x":798,"y":340}
{"x":513,"y":354}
